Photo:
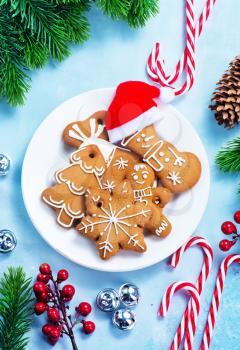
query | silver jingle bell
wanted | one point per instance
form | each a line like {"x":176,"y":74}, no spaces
{"x":124,"y":319}
{"x":107,"y":300}
{"x":4,"y":164}
{"x":8,"y":241}
{"x":129,"y":294}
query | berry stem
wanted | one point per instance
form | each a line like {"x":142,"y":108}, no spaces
{"x":62,"y":309}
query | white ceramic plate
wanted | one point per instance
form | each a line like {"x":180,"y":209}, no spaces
{"x":46,"y":153}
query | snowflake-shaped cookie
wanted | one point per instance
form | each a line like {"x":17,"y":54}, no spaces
{"x":114,"y":222}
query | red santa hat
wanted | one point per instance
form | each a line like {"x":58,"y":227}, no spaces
{"x":133,"y":107}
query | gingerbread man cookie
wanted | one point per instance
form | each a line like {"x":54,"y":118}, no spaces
{"x":114,"y":221}
{"x":141,"y":177}
{"x":177,"y":171}
{"x":68,"y":206}
{"x":85,"y":171}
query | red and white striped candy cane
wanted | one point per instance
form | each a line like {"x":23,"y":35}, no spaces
{"x":192,"y":316}
{"x":207,"y":264}
{"x":156,"y":67}
{"x":211,"y":321}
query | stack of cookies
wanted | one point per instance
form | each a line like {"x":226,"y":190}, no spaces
{"x":114,"y":194}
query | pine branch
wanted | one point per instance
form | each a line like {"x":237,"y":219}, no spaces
{"x":75,"y":23}
{"x":34,"y":31}
{"x":228,"y":158}
{"x":14,"y":81}
{"x":15,"y":309}
{"x":135,"y":12}
{"x":115,"y":8}
{"x":36,"y":54}
{"x":40,"y":18}
{"x":141,"y":11}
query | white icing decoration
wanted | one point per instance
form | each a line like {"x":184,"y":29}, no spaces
{"x":179,"y":160}
{"x":174,"y":177}
{"x":124,"y":188}
{"x":143,"y":135}
{"x":109,"y":186}
{"x":96,"y":199}
{"x":74,"y":189}
{"x":161,"y":228}
{"x":146,"y":139}
{"x":166,"y":160}
{"x":140,"y":195}
{"x":121,"y":163}
{"x":62,"y":205}
{"x":144,"y":173}
{"x":152,"y":158}
{"x":95,"y":132}
{"x":116,"y":223}
{"x":89,"y":169}
{"x":138,"y":167}
{"x":161,"y":154}
{"x":125,"y":141}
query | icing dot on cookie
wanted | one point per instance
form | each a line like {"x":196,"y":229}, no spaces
{"x":166,"y":160}
{"x":138,"y":139}
{"x":135,"y":225}
{"x":128,"y":206}
{"x":143,"y":135}
{"x":135,"y":177}
{"x":93,"y":215}
{"x":161,"y":154}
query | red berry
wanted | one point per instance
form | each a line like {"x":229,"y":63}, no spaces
{"x":237,"y":216}
{"x":84,"y":309}
{"x":55,"y":333}
{"x":45,"y":269}
{"x":228,"y":228}
{"x":226,"y":245}
{"x":88,"y":327}
{"x":43,"y":278}
{"x":52,"y":341}
{"x":43,"y":296}
{"x":40,"y":308}
{"x":46,"y":329}
{"x":62,"y":275}
{"x":39,"y":287}
{"x":68,"y":291}
{"x":53,"y":315}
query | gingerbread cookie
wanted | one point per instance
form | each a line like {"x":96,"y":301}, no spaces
{"x":114,"y":221}
{"x":141,"y":177}
{"x":85,"y":171}
{"x":118,"y":165}
{"x":177,"y":171}
{"x":68,"y":206}
{"x":86,"y":132}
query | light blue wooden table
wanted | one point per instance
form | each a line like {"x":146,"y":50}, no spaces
{"x":113,"y":54}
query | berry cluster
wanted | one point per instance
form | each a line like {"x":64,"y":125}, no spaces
{"x":53,"y":300}
{"x":229,"y":228}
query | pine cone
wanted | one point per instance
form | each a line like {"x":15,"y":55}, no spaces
{"x":226,"y":98}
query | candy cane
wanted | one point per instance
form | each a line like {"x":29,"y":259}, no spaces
{"x":156,"y":67}
{"x":192,"y":316}
{"x":216,"y":299}
{"x":207,"y":264}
